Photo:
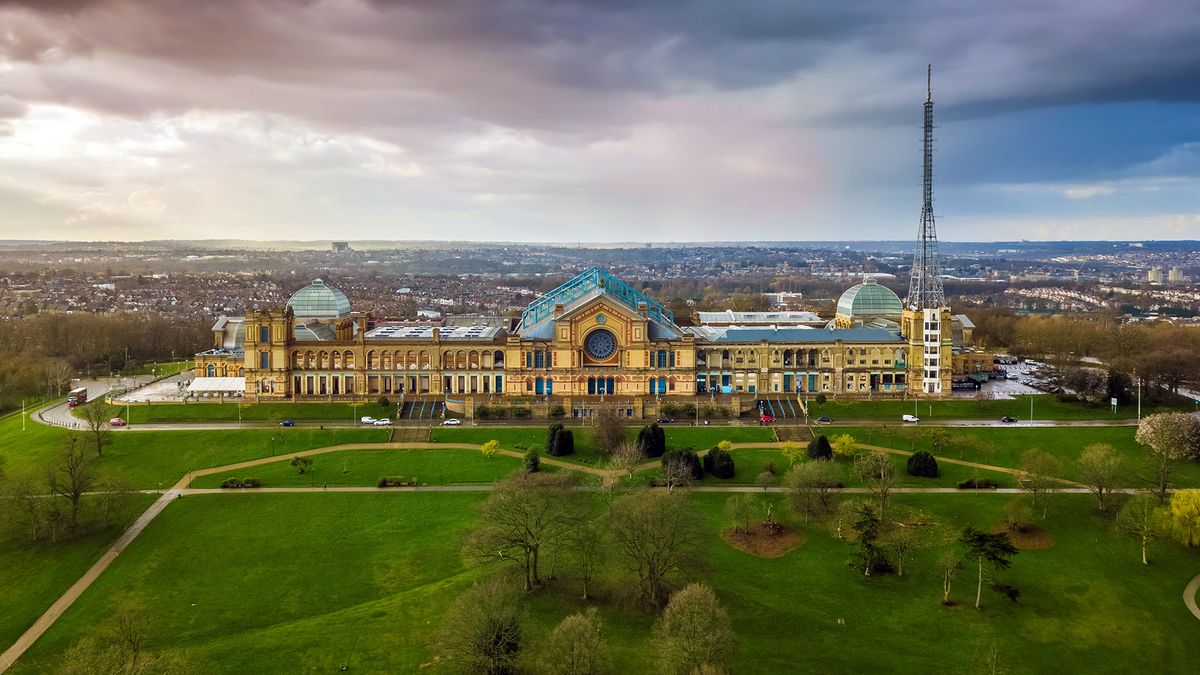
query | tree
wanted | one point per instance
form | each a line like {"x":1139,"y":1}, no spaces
{"x":939,"y":438}
{"x":656,"y":535}
{"x":791,"y":452}
{"x":627,"y":457}
{"x":900,"y":541}
{"x":719,"y":463}
{"x":609,"y":432}
{"x":72,"y":475}
{"x":765,"y":478}
{"x":1099,"y":468}
{"x":490,"y":448}
{"x":994,"y":549}
{"x":652,"y":440}
{"x":523,"y":514}
{"x":301,"y":464}
{"x":384,"y":402}
{"x":819,"y":448}
{"x":532,"y":461}
{"x":680,"y":468}
{"x":742,"y":509}
{"x":876,"y":470}
{"x":1143,"y":520}
{"x":923,"y":465}
{"x":1018,"y":514}
{"x":868,"y":558}
{"x":482,"y":632}
{"x":1184,"y":516}
{"x":949,"y":565}
{"x":844,"y":445}
{"x":1169,"y":438}
{"x":97,"y":415}
{"x":30,"y":509}
{"x":1038,"y":469}
{"x":693,"y":632}
{"x":89,"y":656}
{"x":577,"y":646}
{"x":552,"y":438}
{"x":59,"y":374}
{"x":812,"y":484}
{"x":115,"y":496}
{"x":724,"y":445}
{"x":587,"y":547}
{"x":565,"y":443}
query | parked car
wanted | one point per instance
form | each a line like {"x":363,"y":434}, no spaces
{"x":287,"y":423}
{"x":452,"y":422}
{"x":1014,"y":376}
{"x":117,"y":422}
{"x":382,"y":423}
{"x":766,"y":419}
{"x":1008,"y":420}
{"x":910,"y":418}
{"x":824,"y":420}
{"x":665,"y":420}
{"x":367,"y":420}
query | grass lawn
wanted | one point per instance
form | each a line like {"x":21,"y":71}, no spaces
{"x":448,"y":466}
{"x":150,"y":458}
{"x":168,"y":413}
{"x":161,"y":368}
{"x":1045,"y":407}
{"x":586,"y":451}
{"x":377,"y":571}
{"x":34,"y":574}
{"x":1004,"y":446}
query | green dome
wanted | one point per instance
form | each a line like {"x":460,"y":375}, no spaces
{"x":318,"y":301}
{"x":868,"y":300}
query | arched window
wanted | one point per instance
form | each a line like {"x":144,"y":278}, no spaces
{"x":386,"y":360}
{"x":460,"y":359}
{"x":212,"y":370}
{"x":498,"y":359}
{"x":337,"y":359}
{"x":241,"y":372}
{"x":473,"y":359}
{"x":348,"y":358}
{"x":297,"y":360}
{"x":372,"y":360}
{"x":410,"y":360}
{"x":424,"y":360}
{"x":787,"y":357}
{"x":310,"y":360}
{"x":322,"y":360}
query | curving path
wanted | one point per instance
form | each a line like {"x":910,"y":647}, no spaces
{"x":1189,"y":596}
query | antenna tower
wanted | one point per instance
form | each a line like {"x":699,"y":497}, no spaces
{"x":925,"y":290}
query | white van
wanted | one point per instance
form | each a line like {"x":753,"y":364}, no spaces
{"x":910,"y":418}
{"x":367,"y":420}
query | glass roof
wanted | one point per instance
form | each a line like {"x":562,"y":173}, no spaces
{"x":869,"y":299}
{"x":319,"y":301}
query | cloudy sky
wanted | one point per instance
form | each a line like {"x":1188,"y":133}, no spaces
{"x":596,"y":120}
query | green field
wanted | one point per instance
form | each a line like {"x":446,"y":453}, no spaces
{"x":360,"y":582}
{"x":1003,"y":446}
{"x":586,"y":451}
{"x":170,"y":413}
{"x":448,"y":466}
{"x":1045,"y":407}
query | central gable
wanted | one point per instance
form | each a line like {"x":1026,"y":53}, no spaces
{"x":601,"y":312}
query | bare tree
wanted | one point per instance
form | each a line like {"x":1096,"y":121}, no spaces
{"x":949,"y":566}
{"x":1038,"y":469}
{"x":812,"y":484}
{"x":1100,"y":470}
{"x":523,"y":514}
{"x":900,"y":542}
{"x":656,"y":535}
{"x":577,"y":646}
{"x":1143,"y":520}
{"x":97,"y":416}
{"x":742,"y":509}
{"x":609,"y":431}
{"x":58,"y":375}
{"x":30,"y":509}
{"x":115,"y":496}
{"x":586,"y":545}
{"x":676,"y":471}
{"x":876,"y":470}
{"x":482,"y":632}
{"x":627,"y":457}
{"x":72,"y":475}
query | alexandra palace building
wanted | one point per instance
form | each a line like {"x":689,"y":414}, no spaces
{"x":594,"y":342}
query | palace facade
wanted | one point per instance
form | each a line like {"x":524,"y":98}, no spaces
{"x":594,"y":341}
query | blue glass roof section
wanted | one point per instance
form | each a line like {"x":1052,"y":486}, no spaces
{"x":318,"y":301}
{"x":587,"y":282}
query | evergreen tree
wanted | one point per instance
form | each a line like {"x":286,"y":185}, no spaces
{"x":922,"y":464}
{"x":552,"y":438}
{"x":819,"y":448}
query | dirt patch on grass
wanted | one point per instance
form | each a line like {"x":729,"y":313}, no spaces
{"x":1031,"y":538}
{"x":763,"y":541}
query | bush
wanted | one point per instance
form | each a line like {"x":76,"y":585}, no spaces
{"x":395,"y":481}
{"x":652,"y":440}
{"x":821,"y":399}
{"x":557,"y":412}
{"x":978,"y":484}
{"x":719,"y":463}
{"x":521,"y":412}
{"x":229,"y":483}
{"x":688,"y":457}
{"x":819,"y":448}
{"x":483,"y":412}
{"x":923,"y":464}
{"x":384,"y":402}
{"x":251,"y":483}
{"x":531,"y":461}
{"x":565,"y":443}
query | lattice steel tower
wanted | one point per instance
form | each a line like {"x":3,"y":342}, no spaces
{"x":925,"y":289}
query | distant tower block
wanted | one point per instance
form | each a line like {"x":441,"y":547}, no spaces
{"x":1175,"y":274}
{"x":341,"y":246}
{"x":925,"y":290}
{"x":1154,"y":276}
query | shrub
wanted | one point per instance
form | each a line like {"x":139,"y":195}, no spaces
{"x":770,"y":468}
{"x":396,"y":481}
{"x":923,"y":464}
{"x":231,"y":483}
{"x":565,"y":443}
{"x":384,"y":402}
{"x":557,"y":412}
{"x":520,"y":412}
{"x":978,"y":484}
{"x":251,"y":483}
{"x":686,"y":456}
{"x":821,"y":399}
{"x":490,"y":448}
{"x":652,"y":440}
{"x":819,"y":448}
{"x":483,"y":412}
{"x":719,"y":463}
{"x":531,"y":461}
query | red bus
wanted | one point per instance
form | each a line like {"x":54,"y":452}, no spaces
{"x":77,"y":397}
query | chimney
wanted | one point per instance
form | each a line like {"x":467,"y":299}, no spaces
{"x":558,"y":309}
{"x":641,"y":308}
